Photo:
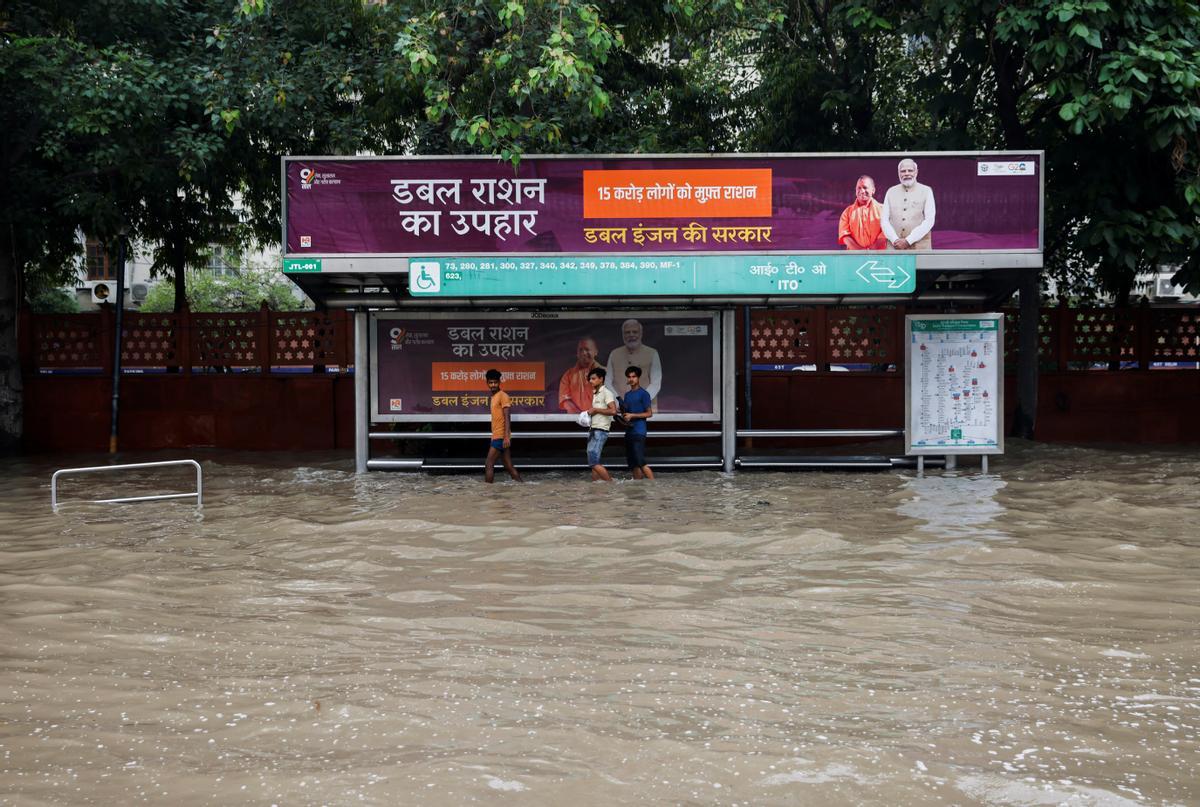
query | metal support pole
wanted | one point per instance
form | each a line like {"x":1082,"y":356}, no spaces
{"x":362,"y":391}
{"x":921,"y":465}
{"x":951,"y":462}
{"x":1025,"y":419}
{"x":117,"y":340}
{"x":748,"y":367}
{"x":984,"y":469}
{"x":728,"y":389}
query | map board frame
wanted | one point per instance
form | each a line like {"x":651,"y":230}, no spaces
{"x":992,"y":377}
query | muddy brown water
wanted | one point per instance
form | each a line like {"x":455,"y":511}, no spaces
{"x":1029,"y":637}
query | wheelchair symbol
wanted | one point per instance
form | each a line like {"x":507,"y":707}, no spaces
{"x":426,"y":277}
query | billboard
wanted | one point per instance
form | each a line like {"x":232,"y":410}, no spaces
{"x":663,"y":205}
{"x":431,"y":366}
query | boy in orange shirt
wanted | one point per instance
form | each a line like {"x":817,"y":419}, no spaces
{"x":501,"y":445}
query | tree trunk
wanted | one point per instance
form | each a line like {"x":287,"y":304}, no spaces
{"x":1120,"y":305}
{"x":1006,"y":64}
{"x":12,"y":422}
{"x":177,"y":255}
{"x":180,"y":280}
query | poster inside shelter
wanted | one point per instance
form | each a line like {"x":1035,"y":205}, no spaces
{"x":433,"y":366}
{"x":955,"y":403}
{"x":661,"y":205}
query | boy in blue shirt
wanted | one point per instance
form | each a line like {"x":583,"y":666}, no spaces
{"x":636,"y":409}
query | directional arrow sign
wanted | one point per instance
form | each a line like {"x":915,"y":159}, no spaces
{"x":660,"y":275}
{"x":890,"y":272}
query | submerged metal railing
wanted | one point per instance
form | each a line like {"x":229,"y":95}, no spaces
{"x":199,"y":492}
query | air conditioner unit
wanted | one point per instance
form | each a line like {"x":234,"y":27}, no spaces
{"x":103,"y":291}
{"x":139,"y":291}
{"x":1165,"y":288}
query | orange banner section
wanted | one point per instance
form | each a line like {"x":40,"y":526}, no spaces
{"x":714,"y":193}
{"x":454,"y":376}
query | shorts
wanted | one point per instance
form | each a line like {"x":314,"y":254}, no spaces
{"x":596,"y":440}
{"x":635,"y":450}
{"x":498,"y":444}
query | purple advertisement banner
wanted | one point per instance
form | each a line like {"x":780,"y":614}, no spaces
{"x":663,"y":205}
{"x":432,"y":366}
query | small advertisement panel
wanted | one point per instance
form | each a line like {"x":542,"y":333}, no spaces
{"x":663,"y":205}
{"x":954,"y":380}
{"x":432,"y":366}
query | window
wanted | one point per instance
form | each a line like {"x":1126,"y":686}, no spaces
{"x":98,"y":265}
{"x":222,"y":262}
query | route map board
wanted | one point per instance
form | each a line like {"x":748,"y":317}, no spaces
{"x":954,"y":384}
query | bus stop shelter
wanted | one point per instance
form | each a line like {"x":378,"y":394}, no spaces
{"x":456,"y":264}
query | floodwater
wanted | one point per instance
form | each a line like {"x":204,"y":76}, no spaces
{"x":1029,"y":637}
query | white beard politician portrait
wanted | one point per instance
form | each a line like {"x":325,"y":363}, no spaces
{"x":634,"y":353}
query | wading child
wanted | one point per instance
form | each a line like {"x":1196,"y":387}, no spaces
{"x":604,"y":406}
{"x":501,"y":445}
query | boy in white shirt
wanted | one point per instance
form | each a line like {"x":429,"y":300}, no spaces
{"x":604,"y":406}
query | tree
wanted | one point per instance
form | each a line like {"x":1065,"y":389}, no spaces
{"x":83,"y":146}
{"x":247,"y":289}
{"x":1110,"y":91}
{"x":37,"y":225}
{"x":52,"y":301}
{"x":831,"y":78}
{"x":511,"y":77}
{"x":301,"y":77}
{"x":132,"y":118}
{"x":500,"y":76}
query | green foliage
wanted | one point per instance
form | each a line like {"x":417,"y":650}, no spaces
{"x":166,"y":120}
{"x":159,"y":117}
{"x":302,"y":77}
{"x":245,"y":291}
{"x":52,"y":301}
{"x":1109,"y":90}
{"x":40,"y":196}
{"x":836,"y":79}
{"x":505,"y":76}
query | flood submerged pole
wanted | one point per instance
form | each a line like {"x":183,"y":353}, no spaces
{"x":1025,"y":421}
{"x":118,"y":338}
{"x":362,"y":424}
{"x":728,"y":390}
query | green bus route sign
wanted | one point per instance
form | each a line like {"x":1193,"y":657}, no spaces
{"x":662,"y":275}
{"x":302,"y":265}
